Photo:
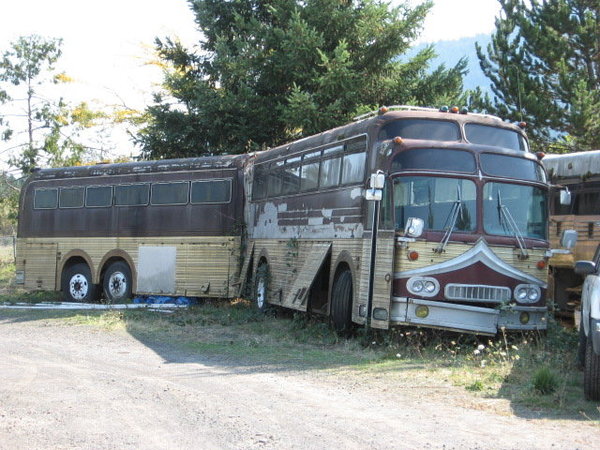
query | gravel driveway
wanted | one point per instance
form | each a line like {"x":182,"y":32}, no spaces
{"x":65,"y":386}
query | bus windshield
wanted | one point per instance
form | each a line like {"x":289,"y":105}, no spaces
{"x":432,"y":199}
{"x":497,"y":137}
{"x":427,"y":129}
{"x":525,"y":204}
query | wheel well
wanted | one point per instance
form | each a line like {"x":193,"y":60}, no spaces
{"x":318,"y":296}
{"x":70,"y":263}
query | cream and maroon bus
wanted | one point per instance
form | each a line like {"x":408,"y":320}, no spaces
{"x":409,"y":216}
{"x":155,"y":227}
{"x":456,"y":238}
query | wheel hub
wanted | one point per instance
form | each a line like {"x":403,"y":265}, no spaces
{"x":78,"y":286}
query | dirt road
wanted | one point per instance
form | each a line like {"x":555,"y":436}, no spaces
{"x":80,"y":387}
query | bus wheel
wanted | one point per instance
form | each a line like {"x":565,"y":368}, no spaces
{"x":261,"y":287}
{"x":591,"y":372}
{"x":117,"y":282}
{"x":77,"y":284}
{"x":341,"y":302}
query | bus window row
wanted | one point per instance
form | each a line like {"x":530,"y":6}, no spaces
{"x":339,"y":165}
{"x":135,"y":194}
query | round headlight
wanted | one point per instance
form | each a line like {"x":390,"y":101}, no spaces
{"x":532,"y":294}
{"x":429,"y":286}
{"x":522,"y":294}
{"x":417,"y":286}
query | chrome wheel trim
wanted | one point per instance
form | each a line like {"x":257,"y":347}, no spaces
{"x":117,"y":285}
{"x":78,"y":286}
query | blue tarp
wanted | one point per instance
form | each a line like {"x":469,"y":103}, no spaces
{"x":161,"y":300}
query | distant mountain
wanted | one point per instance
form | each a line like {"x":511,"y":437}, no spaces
{"x":449,"y":52}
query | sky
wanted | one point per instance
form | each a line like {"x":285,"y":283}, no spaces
{"x":107,"y":44}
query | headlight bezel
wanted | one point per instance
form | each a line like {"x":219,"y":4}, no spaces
{"x":423,"y":286}
{"x":527,"y":293}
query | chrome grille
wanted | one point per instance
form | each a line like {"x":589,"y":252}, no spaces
{"x":477,"y":293}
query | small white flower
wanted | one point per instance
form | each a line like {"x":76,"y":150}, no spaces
{"x":483,"y":363}
{"x":480,"y":347}
{"x":398,"y":355}
{"x":476,"y":352}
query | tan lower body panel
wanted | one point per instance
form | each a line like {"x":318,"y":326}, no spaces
{"x":205,"y":266}
{"x":288,"y":260}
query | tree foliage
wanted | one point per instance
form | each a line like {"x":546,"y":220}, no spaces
{"x":270,"y":71}
{"x":48,"y":131}
{"x":544,"y":66}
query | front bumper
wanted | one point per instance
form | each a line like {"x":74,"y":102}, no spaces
{"x":466,"y":318}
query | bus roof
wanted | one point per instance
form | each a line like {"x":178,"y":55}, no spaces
{"x":166,"y":165}
{"x":570,"y":165}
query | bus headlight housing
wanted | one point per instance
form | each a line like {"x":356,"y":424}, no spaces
{"x":527,"y":293}
{"x":423,"y":286}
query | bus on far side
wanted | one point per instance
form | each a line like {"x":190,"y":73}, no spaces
{"x":155,"y":227}
{"x":579,"y":175}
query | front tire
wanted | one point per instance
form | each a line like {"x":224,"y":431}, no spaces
{"x":261,"y":288}
{"x":591,"y":372}
{"x":77,"y":284}
{"x":341,"y":302}
{"x":117,"y":282}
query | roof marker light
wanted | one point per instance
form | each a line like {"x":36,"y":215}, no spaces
{"x":464,"y":110}
{"x":540,"y":155}
{"x":383,"y":110}
{"x":522,"y":124}
{"x":454,"y":109}
{"x":397,"y":140}
{"x":444,"y":109}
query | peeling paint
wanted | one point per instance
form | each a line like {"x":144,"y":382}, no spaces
{"x":356,"y":193}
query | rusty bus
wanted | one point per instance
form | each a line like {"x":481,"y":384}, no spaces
{"x":579,"y":175}
{"x":458,"y":240}
{"x":156,"y":227}
{"x":409,"y":216}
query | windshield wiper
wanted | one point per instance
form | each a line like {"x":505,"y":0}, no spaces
{"x":452,"y":218}
{"x":506,"y":217}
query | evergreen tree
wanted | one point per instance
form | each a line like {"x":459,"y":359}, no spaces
{"x":544,"y":66}
{"x":51,"y":129}
{"x":270,"y":71}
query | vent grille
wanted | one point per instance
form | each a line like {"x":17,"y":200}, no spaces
{"x":477,"y":293}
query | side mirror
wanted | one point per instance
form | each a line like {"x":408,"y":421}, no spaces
{"x":585,"y":267}
{"x":376,"y":184}
{"x":568,"y":239}
{"x":414,"y":227}
{"x":377,"y":180}
{"x":565,"y":197}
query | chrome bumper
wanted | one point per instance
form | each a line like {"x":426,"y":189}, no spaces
{"x":456,"y":317}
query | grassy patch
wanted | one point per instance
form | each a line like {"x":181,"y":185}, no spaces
{"x":535,"y":372}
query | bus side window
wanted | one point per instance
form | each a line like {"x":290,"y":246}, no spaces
{"x":170,"y":193}
{"x":71,"y":197}
{"x":259,"y":185}
{"x":353,"y":168}
{"x":275,"y":184}
{"x":310,"y":171}
{"x":330,"y":173}
{"x":45,"y":199}
{"x":132,"y":194}
{"x":98,"y":196}
{"x":291,"y":176}
{"x":211,"y":191}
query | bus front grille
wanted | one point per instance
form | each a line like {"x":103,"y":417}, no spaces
{"x":477,"y":293}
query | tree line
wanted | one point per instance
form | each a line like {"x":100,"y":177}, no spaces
{"x":267,"y":72}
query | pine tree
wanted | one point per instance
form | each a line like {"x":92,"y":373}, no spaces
{"x":270,"y":71}
{"x":544,"y":66}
